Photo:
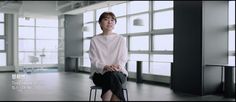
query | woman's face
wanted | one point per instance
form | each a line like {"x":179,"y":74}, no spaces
{"x":107,"y":23}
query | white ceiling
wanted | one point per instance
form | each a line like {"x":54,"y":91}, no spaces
{"x":40,"y":9}
{"x":50,"y":9}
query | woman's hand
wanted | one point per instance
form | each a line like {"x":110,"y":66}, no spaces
{"x":116,"y":67}
{"x":113,"y":67}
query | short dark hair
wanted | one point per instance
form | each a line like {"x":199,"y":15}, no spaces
{"x":105,"y":14}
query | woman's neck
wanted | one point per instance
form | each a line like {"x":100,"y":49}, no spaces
{"x":107,"y":33}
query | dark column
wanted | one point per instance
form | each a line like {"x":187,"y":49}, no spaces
{"x":73,"y":36}
{"x":229,"y":87}
{"x":200,"y":38}
{"x":139,"y":72}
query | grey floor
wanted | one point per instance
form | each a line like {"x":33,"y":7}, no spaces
{"x":69,"y":86}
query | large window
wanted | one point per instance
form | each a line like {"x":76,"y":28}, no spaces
{"x":231,"y":33}
{"x":139,"y":43}
{"x":163,"y":20}
{"x":38,"y":37}
{"x":163,"y":42}
{"x":2,"y":41}
{"x":151,"y":43}
{"x":133,"y":58}
{"x":88,"y":32}
{"x":137,"y":29}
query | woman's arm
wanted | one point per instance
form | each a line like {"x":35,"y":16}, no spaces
{"x":95,"y":63}
{"x":123,"y":58}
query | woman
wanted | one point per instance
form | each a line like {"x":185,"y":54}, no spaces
{"x":108,"y":55}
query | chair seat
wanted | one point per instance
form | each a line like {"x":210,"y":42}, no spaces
{"x":95,"y":87}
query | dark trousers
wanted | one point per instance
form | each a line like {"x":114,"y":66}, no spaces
{"x":111,"y":80}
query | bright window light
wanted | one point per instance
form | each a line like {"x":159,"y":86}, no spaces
{"x":163,"y":42}
{"x":139,"y":43}
{"x":2,"y":44}
{"x":2,"y":29}
{"x":120,"y":27}
{"x":138,"y":6}
{"x":89,"y":32}
{"x":132,"y":63}
{"x":163,"y":20}
{"x":88,"y":16}
{"x":158,"y":5}
{"x":135,"y":29}
{"x":119,"y":10}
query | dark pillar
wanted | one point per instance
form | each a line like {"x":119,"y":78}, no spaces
{"x":200,"y":38}
{"x":229,"y":87}
{"x":139,"y":72}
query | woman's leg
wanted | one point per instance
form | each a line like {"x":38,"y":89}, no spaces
{"x":114,"y":98}
{"x":114,"y":81}
{"x":107,"y":96}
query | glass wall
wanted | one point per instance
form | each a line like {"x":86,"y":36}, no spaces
{"x":231,"y":33}
{"x":150,"y":42}
{"x":38,"y":37}
{"x":3,"y":57}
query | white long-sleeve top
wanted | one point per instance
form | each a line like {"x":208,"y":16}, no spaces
{"x":107,"y":50}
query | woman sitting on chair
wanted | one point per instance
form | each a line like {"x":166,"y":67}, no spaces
{"x":108,"y":55}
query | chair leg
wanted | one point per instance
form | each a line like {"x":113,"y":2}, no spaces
{"x":126,"y":94}
{"x":90,"y":94}
{"x":95,"y":94}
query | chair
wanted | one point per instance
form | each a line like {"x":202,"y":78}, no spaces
{"x":100,"y":88}
{"x":33,"y":60}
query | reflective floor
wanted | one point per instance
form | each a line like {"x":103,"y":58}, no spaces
{"x":69,"y":86}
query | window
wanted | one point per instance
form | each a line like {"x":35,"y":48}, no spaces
{"x":26,"y":22}
{"x":2,"y":44}
{"x":46,"y":23}
{"x":88,"y":16}
{"x":3,"y":57}
{"x":135,"y":29}
{"x":1,"y":28}
{"x":120,"y":27}
{"x":142,"y":7}
{"x":26,"y":45}
{"x":98,"y":29}
{"x":159,"y":5}
{"x":161,"y":64}
{"x":50,"y":58}
{"x":86,"y":45}
{"x":231,"y":33}
{"x":2,"y":25}
{"x":46,"y":33}
{"x":89,"y":30}
{"x":24,"y":57}
{"x":37,"y":37}
{"x":2,"y":17}
{"x":231,"y":12}
{"x":163,"y":20}
{"x":139,"y":43}
{"x":132,"y":63}
{"x":48,"y":45}
{"x":86,"y":60}
{"x":26,"y":32}
{"x":119,"y":10}
{"x":153,"y":46}
{"x":231,"y":40}
{"x":163,"y":42}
